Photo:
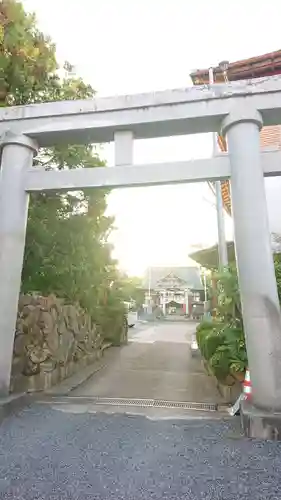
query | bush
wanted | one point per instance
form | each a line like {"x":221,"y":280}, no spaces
{"x":112,"y":318}
{"x":219,"y":363}
{"x":237,"y":354}
{"x":206,"y":324}
{"x":223,"y":347}
{"x":206,"y":329}
{"x":222,"y":341}
{"x":211,"y":342}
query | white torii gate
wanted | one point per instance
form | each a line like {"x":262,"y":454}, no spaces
{"x":237,"y":109}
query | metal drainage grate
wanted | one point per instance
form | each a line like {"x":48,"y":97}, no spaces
{"x":155,"y":403}
{"x":186,"y":406}
{"x":124,"y":402}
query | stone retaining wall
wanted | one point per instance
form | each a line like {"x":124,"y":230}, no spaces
{"x":52,"y":341}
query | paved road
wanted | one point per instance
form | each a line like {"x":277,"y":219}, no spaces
{"x":156,"y":364}
{"x":51,"y":455}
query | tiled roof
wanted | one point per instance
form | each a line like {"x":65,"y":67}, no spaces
{"x":189,"y":275}
{"x":254,"y":67}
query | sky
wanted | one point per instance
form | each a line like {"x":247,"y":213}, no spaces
{"x":126,"y":47}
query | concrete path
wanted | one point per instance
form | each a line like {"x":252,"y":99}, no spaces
{"x":156,"y":364}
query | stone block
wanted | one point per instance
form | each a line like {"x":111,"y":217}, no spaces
{"x":260,"y":424}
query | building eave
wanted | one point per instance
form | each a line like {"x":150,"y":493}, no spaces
{"x":209,"y":257}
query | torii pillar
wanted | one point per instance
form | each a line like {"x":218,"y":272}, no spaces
{"x":16,"y":158}
{"x":259,"y":297}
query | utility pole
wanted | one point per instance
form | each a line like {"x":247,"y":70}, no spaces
{"x":222,"y":248}
{"x":149,"y":309}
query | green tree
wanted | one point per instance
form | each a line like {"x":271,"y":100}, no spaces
{"x":131,"y":289}
{"x":27,"y":61}
{"x":67,"y":250}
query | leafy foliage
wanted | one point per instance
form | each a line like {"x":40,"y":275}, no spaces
{"x":229,"y":304}
{"x":130,"y":288}
{"x":27,"y":57}
{"x":223,"y":346}
{"x":222,"y":342}
{"x":29,"y":68}
{"x":277,"y":265}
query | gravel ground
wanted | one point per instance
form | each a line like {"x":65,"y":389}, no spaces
{"x":48,"y":454}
